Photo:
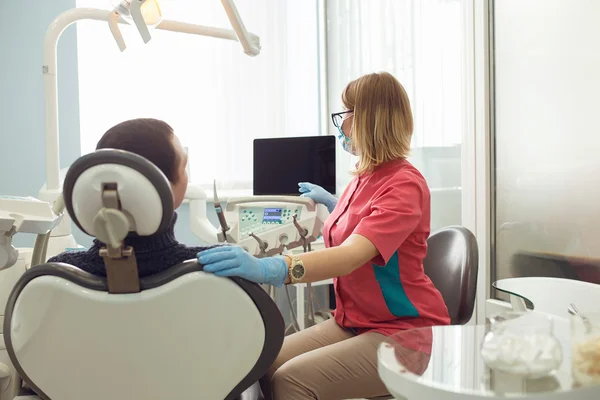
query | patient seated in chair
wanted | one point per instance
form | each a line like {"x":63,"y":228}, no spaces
{"x":125,"y":195}
{"x":155,"y":141}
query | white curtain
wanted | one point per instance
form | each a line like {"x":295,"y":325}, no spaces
{"x":217,"y":99}
{"x":421,"y":42}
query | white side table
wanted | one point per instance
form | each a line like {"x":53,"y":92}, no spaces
{"x":448,"y":366}
{"x":300,"y":307}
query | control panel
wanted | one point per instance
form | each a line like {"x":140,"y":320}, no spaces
{"x":258,"y":220}
{"x":269,"y":225}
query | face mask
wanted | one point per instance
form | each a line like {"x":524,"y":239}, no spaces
{"x":346,"y":142}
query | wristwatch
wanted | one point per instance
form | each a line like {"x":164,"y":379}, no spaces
{"x":296,"y":270}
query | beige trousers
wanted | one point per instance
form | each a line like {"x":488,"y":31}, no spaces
{"x":326,"y":362}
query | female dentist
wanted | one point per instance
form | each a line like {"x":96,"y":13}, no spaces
{"x":376,"y":239}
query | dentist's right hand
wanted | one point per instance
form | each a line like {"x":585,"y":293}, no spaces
{"x":318,"y":194}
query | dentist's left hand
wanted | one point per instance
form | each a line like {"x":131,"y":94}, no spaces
{"x":235,"y":261}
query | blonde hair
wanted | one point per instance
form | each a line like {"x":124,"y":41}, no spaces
{"x":383,"y":123}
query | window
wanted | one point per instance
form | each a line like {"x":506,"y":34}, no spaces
{"x":217,"y":99}
{"x":418,"y":41}
{"x":422,"y":43}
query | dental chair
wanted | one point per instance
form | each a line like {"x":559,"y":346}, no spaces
{"x":180,"y":334}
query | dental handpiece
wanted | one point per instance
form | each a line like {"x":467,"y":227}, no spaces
{"x":302,"y":231}
{"x":221,"y":216}
{"x":262,"y":245}
{"x":219,"y":211}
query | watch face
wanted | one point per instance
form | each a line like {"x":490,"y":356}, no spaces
{"x":298,"y":271}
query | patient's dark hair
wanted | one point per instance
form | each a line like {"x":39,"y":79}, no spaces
{"x":147,"y":137}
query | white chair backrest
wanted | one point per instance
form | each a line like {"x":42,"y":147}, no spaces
{"x":553,"y":295}
{"x":193,"y":336}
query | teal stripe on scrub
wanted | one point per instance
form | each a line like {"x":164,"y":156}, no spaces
{"x":394,"y":295}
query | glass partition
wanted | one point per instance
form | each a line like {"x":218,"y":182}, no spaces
{"x":547,"y":168}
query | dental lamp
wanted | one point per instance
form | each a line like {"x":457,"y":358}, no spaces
{"x":144,"y":14}
{"x":147,"y":14}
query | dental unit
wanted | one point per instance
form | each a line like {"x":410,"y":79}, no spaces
{"x":263,"y":225}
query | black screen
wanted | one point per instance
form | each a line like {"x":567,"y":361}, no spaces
{"x":279,"y":164}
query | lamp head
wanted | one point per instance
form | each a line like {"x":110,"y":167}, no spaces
{"x":150,"y":9}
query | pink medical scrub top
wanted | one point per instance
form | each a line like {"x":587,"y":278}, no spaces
{"x":391,"y":208}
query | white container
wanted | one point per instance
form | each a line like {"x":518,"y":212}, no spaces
{"x":522,"y":344}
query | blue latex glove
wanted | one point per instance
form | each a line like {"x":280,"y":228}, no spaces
{"x":318,"y":194}
{"x":235,"y":261}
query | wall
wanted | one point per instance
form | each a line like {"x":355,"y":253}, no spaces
{"x":547,"y":58}
{"x":22,"y":148}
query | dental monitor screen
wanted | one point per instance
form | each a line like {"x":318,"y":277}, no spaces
{"x":279,"y":164}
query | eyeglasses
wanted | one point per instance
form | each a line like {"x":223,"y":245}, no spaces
{"x":338,"y":118}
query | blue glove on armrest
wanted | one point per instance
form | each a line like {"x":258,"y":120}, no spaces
{"x":235,"y":261}
{"x":318,"y":194}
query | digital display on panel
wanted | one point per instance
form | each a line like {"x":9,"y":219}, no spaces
{"x":272,"y":215}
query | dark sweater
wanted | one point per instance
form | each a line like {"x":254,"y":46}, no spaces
{"x":153,"y":253}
